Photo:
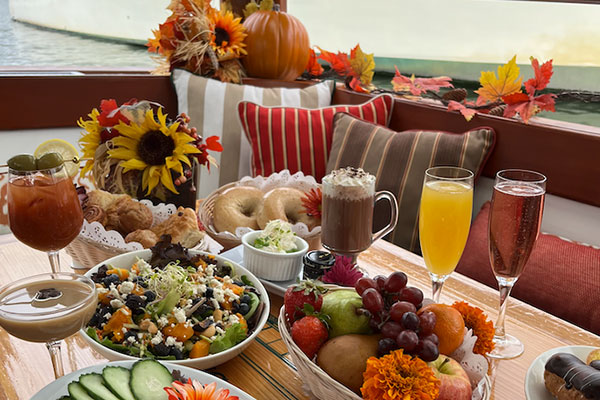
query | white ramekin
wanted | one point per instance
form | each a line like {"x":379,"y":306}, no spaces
{"x":272,"y":266}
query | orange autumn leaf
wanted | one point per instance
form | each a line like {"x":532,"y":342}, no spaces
{"x":506,"y":83}
{"x":362,"y":64}
{"x":339,"y":62}
{"x":313,"y":67}
{"x":417,"y":86}
{"x":468,"y":113}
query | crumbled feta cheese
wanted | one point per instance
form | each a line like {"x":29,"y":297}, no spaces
{"x":124,"y":330}
{"x":107,"y":315}
{"x":202,"y":288}
{"x":127,"y":287}
{"x":210,"y":269}
{"x":219,"y":295}
{"x":131,"y":339}
{"x":227,"y":279}
{"x":102,"y":290}
{"x":170,"y":341}
{"x":179,"y":345}
{"x":157,"y":338}
{"x":162,"y":322}
{"x":219,"y":330}
{"x":179,"y":314}
{"x":233,"y":319}
{"x":141,"y":335}
{"x":215,"y":304}
{"x":230,"y":295}
{"x":116,"y":303}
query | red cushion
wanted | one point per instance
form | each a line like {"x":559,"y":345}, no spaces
{"x":561,"y":277}
{"x":299,"y":139}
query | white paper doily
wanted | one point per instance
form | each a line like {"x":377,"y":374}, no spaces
{"x":96,"y":233}
{"x":279,"y":179}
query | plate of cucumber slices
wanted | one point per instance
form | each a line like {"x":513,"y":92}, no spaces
{"x":129,"y":380}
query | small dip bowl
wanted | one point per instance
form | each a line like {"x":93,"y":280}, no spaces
{"x":272,"y":266}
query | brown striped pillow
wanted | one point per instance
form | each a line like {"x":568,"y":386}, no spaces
{"x":212,"y":108}
{"x":399,"y":161}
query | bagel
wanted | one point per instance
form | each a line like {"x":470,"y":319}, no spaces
{"x":285,"y":204}
{"x":237,"y":207}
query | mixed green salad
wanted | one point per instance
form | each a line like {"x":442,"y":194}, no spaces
{"x":176,"y":306}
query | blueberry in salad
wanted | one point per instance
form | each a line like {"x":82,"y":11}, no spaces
{"x":176,"y":306}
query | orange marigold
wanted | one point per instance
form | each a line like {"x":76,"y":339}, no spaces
{"x":477,"y":321}
{"x":398,"y":376}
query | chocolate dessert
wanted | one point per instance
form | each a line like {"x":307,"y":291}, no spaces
{"x":567,"y":377}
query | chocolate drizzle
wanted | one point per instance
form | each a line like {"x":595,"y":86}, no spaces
{"x":576,"y":374}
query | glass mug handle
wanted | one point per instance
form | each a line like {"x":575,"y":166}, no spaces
{"x":389,"y":196}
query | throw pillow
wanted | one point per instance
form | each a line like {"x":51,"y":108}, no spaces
{"x":212,"y":108}
{"x":399,"y":160}
{"x":299,"y":139}
{"x":555,"y":266}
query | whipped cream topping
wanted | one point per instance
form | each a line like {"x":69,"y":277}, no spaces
{"x":349,"y":183}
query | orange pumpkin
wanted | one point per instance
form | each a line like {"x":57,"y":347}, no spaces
{"x":277,"y":45}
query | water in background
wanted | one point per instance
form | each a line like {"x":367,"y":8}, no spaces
{"x":25,"y":45}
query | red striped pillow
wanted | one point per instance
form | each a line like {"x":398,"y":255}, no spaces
{"x":299,"y":139}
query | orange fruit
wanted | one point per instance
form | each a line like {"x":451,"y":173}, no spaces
{"x":449,"y":326}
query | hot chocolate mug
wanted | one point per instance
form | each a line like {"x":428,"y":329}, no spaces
{"x":349,"y":198}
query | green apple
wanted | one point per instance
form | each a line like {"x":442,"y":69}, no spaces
{"x":344,"y":308}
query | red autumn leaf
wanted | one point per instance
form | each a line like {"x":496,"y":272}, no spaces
{"x":313,"y":67}
{"x":468,"y":113}
{"x":355,"y":84}
{"x":527,"y":106}
{"x":542,"y":76}
{"x":212,"y":143}
{"x":339,"y":62}
{"x":417,"y":86}
{"x":109,"y":114}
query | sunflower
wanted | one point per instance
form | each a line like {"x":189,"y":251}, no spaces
{"x":196,"y":391}
{"x":228,"y":33}
{"x":154,"y":148}
{"x":477,"y":321}
{"x":398,"y":376}
{"x":91,"y":140}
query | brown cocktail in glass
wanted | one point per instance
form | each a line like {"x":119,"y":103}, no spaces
{"x":47,"y":308}
{"x":44,"y":210}
{"x":347,"y":217}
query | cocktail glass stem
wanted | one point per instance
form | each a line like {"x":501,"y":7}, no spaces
{"x":54,"y":261}
{"x":437,"y":282}
{"x":55,"y":356}
{"x":506,"y":346}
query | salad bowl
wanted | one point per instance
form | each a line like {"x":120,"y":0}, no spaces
{"x":128,"y":260}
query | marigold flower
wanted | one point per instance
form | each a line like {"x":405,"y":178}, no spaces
{"x":398,"y":376}
{"x":477,"y":321}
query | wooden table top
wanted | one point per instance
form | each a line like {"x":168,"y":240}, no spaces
{"x":264,"y":370}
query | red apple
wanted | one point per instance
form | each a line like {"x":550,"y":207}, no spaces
{"x":455,"y":381}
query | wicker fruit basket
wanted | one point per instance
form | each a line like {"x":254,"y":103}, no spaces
{"x":320,"y":383}
{"x":281,"y":179}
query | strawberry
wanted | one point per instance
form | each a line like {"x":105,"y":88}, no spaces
{"x":296,"y":296}
{"x":309,"y":333}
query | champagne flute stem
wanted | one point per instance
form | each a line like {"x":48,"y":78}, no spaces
{"x":54,"y":261}
{"x":55,"y":356}
{"x":437,"y":282}
{"x":505,"y":286}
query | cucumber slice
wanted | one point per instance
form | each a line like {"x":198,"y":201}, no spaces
{"x":148,"y":379}
{"x":254,"y":302}
{"x":117,"y":380}
{"x":166,"y":305}
{"x":94,"y":385}
{"x":77,"y":392}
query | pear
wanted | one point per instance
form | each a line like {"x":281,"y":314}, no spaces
{"x":345,"y":311}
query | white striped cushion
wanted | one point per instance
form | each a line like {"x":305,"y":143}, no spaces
{"x":212,"y":108}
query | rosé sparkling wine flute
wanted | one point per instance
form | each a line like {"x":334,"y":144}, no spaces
{"x":514,"y":226}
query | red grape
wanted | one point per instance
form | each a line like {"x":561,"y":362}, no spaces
{"x":428,"y":351}
{"x":363,"y":284}
{"x":412,"y":295}
{"x":408,"y":340}
{"x":399,"y":308}
{"x":391,"y":329}
{"x":372,"y":300}
{"x":411,"y":321}
{"x":395,"y":282}
{"x":432,"y":337}
{"x":380,"y":281}
{"x":386,"y":346}
{"x":428,"y":321}
{"x":374,"y":324}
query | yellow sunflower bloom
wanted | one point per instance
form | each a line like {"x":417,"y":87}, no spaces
{"x":228,"y":33}
{"x":91,"y":140}
{"x":154,"y":148}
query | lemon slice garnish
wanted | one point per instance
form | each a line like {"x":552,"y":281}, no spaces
{"x":65,"y":149}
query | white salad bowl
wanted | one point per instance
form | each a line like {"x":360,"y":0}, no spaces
{"x":212,"y":360}
{"x":273,"y":266}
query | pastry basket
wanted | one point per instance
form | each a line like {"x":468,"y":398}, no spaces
{"x":94,"y":244}
{"x":280,"y":179}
